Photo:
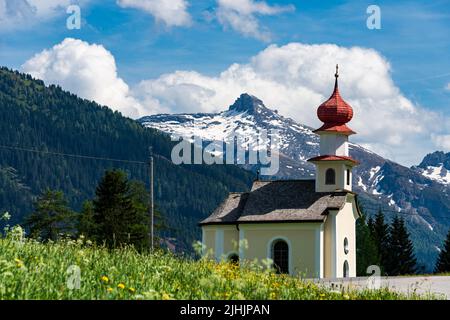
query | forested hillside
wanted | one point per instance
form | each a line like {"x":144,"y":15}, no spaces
{"x":35,"y":118}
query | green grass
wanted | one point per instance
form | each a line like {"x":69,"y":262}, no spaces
{"x":32,"y":270}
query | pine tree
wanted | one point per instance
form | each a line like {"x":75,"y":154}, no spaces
{"x":401,"y":253}
{"x":380,"y":234}
{"x":112,"y":209}
{"x":366,"y":247}
{"x":443,"y":261}
{"x":120,"y":212}
{"x":52,"y":216}
{"x":86,"y":224}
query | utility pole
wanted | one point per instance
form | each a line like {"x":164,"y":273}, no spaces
{"x":152,"y":212}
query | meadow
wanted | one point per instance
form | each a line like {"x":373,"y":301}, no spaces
{"x":70,"y":269}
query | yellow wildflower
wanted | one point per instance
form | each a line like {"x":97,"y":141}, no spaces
{"x":109,"y":289}
{"x":121,"y":286}
{"x":165,"y":296}
{"x":132,"y":290}
{"x":105,"y":279}
{"x":19,"y":263}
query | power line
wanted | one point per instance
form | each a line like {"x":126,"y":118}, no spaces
{"x":393,"y":212}
{"x":443,"y":75}
{"x":17,"y":148}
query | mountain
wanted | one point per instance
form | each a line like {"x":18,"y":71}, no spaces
{"x":436,"y":166}
{"x":43,"y":129}
{"x":420,"y":194}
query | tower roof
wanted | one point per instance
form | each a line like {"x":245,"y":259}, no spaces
{"x":278,"y":201}
{"x":335,"y":112}
{"x":334,"y":158}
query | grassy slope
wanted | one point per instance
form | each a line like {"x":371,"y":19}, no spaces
{"x":32,"y":270}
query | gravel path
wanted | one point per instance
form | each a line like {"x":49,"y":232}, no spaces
{"x":438,"y":285}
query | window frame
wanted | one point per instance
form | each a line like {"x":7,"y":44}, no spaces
{"x":330,"y":179}
{"x":346,"y":246}
{"x":286,"y":268}
{"x":346,"y":270}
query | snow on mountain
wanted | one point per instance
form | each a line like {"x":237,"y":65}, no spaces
{"x":436,"y":166}
{"x":247,"y":117}
{"x":439,"y":174}
{"x":421,"y":194}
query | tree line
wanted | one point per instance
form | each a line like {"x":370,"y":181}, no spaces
{"x":48,"y":119}
{"x":118,"y":214}
{"x":389,"y":246}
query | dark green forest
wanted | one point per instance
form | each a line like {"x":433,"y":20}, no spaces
{"x":38,"y":122}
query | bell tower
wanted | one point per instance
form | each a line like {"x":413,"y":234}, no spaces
{"x":334,"y":165}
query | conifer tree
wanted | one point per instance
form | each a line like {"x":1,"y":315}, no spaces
{"x":443,"y":261}
{"x":380,"y":234}
{"x":52,"y":216}
{"x":117,"y":219}
{"x":86,"y":224}
{"x":366,"y":247}
{"x":401,"y":254}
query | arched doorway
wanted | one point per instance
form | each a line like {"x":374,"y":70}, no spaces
{"x":280,"y":256}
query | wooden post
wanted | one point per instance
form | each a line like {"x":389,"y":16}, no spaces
{"x":152,"y":213}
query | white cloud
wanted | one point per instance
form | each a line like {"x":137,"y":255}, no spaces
{"x":295,"y":79}
{"x":442,"y":141}
{"x":170,"y":12}
{"x":448,"y":86}
{"x":241,"y":15}
{"x":17,"y":14}
{"x":89,"y":70}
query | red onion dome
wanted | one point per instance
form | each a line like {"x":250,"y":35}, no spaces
{"x":335,"y":110}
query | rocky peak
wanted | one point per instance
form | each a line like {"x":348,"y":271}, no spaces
{"x":436,"y":159}
{"x":247,"y":103}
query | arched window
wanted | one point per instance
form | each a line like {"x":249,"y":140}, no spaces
{"x":346,"y":246}
{"x":330,"y":176}
{"x":346,"y":269}
{"x":280,"y":256}
{"x":348,"y":176}
{"x":233,"y":258}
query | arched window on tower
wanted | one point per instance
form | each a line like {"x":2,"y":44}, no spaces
{"x":280,"y":256}
{"x":346,"y":271}
{"x":330,"y":176}
{"x":348,"y":176}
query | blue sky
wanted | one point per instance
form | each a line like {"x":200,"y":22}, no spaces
{"x":414,"y":39}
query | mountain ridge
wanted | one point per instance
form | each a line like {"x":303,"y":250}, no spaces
{"x":41,"y":125}
{"x":397,"y":189}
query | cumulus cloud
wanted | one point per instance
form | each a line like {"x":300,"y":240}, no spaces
{"x":295,"y":79}
{"x":89,"y":70}
{"x":16,"y":14}
{"x":170,"y":12}
{"x":442,"y":141}
{"x":241,"y":16}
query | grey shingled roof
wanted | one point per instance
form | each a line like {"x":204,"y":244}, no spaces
{"x":277,"y":201}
